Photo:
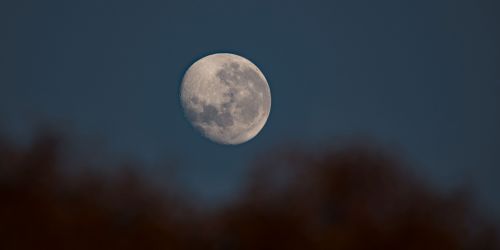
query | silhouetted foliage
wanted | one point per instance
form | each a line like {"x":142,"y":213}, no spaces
{"x":343,"y":198}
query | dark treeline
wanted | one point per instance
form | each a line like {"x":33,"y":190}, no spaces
{"x":352,"y":197}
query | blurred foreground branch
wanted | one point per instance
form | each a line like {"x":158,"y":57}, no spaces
{"x":350,"y":198}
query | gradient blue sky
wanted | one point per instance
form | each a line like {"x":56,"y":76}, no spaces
{"x":421,"y":77}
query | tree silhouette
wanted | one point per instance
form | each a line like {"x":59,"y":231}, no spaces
{"x":350,"y":197}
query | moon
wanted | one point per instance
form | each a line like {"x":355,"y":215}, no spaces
{"x":226,"y":98}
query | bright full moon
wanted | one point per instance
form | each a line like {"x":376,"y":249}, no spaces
{"x":226,"y":97}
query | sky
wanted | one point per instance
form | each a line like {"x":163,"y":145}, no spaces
{"x":419,"y":77}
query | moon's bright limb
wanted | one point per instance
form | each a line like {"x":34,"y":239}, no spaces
{"x":226,"y":97}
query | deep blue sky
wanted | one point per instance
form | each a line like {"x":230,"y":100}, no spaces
{"x":422,"y":77}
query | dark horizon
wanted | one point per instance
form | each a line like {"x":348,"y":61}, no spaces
{"x":348,"y":196}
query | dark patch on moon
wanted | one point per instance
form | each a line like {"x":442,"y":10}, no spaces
{"x":233,"y":74}
{"x":243,"y":79}
{"x":209,"y":115}
{"x":195,"y":100}
{"x":235,"y":65}
{"x":249,"y":108}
